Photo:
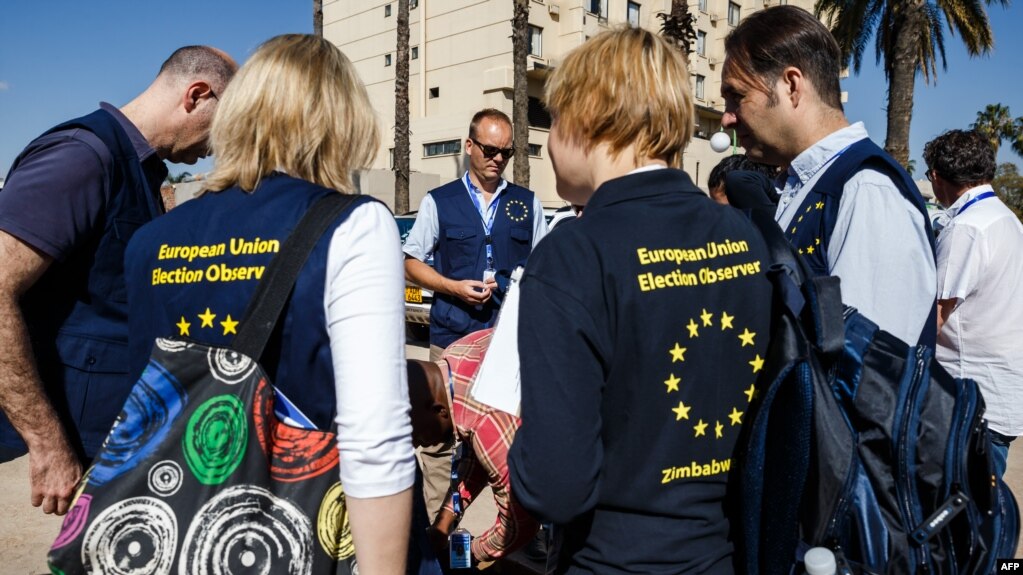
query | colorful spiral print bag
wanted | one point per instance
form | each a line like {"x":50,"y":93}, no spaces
{"x":199,"y":476}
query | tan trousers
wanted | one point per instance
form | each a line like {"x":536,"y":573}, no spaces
{"x":435,"y":461}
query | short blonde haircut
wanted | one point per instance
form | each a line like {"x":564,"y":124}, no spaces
{"x":297,"y":105}
{"x":624,"y":86}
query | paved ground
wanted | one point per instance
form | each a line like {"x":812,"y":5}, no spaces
{"x":26,"y":533}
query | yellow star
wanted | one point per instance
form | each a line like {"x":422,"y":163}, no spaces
{"x":207,"y":318}
{"x":800,"y":251}
{"x":747,"y":337}
{"x":793,"y":229}
{"x":757,"y":364}
{"x":736,"y":415}
{"x":707,"y":318}
{"x":718,"y":428}
{"x":808,"y":208}
{"x":750,"y":393}
{"x":820,"y":205}
{"x":799,"y":219}
{"x":693,"y":328}
{"x":809,"y":249}
{"x":701,"y":428}
{"x":229,"y":325}
{"x":677,"y":353}
{"x":681,"y":412}
{"x":183,"y":326}
{"x":726,"y":320}
{"x":672,"y":383}
{"x":817,"y":241}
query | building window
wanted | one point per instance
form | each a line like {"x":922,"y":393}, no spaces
{"x":703,"y":6}
{"x":435,"y":92}
{"x":733,"y":14}
{"x":387,"y":60}
{"x":535,"y":41}
{"x":415,"y":53}
{"x":701,"y":42}
{"x":632,"y":14}
{"x":387,"y":11}
{"x":445,"y":148}
{"x":700,"y":82}
{"x":413,"y":4}
{"x":534,"y":150}
{"x":598,"y":7}
{"x":390,"y":158}
{"x":537,"y":115}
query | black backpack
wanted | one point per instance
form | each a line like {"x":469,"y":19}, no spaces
{"x":863,"y":444}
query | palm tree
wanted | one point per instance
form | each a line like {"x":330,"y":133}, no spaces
{"x":520,"y":94}
{"x":677,"y":26}
{"x":318,"y":17}
{"x":179,"y":178}
{"x":401,"y":114}
{"x":996,"y":123}
{"x":909,"y":38}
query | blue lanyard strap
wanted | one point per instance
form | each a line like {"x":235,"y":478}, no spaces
{"x":486,"y":217}
{"x":456,"y":452}
{"x":980,"y":197}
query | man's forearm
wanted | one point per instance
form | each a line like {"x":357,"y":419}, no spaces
{"x":423,"y":275}
{"x":21,"y":392}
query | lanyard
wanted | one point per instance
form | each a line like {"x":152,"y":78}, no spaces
{"x":486,"y":216}
{"x":980,"y":197}
{"x":456,"y":453}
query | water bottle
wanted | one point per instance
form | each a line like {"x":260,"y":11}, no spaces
{"x":819,"y":561}
{"x":458,"y":546}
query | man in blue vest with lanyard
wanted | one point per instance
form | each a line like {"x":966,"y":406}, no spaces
{"x":847,"y":206}
{"x":479,"y":228}
{"x":72,"y":200}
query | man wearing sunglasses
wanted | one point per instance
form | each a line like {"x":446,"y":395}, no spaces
{"x":479,"y":228}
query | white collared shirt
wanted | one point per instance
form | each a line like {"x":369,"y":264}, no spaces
{"x":879,"y":247}
{"x":980,"y":266}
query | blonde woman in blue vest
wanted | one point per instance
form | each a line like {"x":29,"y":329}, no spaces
{"x":292,"y":128}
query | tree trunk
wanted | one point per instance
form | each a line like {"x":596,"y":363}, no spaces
{"x":318,"y":17}
{"x":520,"y":95}
{"x":901,"y":82}
{"x":401,"y":114}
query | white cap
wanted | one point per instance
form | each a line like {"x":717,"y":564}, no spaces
{"x":819,"y":561}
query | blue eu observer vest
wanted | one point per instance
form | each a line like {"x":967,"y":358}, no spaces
{"x":461,"y":254}
{"x":193,"y":271}
{"x":77,"y":312}
{"x":810,"y":230}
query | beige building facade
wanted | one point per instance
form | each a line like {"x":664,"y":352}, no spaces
{"x":461,"y":62}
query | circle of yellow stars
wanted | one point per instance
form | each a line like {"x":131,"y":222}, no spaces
{"x":206,"y":321}
{"x":816,"y":241}
{"x":520,"y":213}
{"x":677,"y":352}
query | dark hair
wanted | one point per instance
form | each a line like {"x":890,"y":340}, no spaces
{"x":961,"y":157}
{"x":491,"y":113}
{"x":200,"y":62}
{"x":768,"y":41}
{"x":738,"y":162}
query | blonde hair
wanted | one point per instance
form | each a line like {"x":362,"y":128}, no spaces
{"x":297,"y":105}
{"x":624,"y":86}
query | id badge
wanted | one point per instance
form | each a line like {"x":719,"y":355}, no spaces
{"x":488,"y":274}
{"x":459,"y":548}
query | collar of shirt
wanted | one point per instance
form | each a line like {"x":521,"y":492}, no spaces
{"x":814,"y":159}
{"x":964,"y":199}
{"x":648,"y":183}
{"x":483,"y":207}
{"x":647,"y":168}
{"x":142,"y":148}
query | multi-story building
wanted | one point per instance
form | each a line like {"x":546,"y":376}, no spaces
{"x":461,"y":62}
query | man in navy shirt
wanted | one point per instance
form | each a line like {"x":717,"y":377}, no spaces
{"x":72,"y":200}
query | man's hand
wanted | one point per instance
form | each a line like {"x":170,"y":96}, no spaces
{"x":54,"y":473}
{"x":472,"y":292}
{"x":440,"y":530}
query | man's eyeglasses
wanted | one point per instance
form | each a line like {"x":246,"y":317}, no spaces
{"x":491,"y":151}
{"x":214,"y":94}
{"x":930,"y":175}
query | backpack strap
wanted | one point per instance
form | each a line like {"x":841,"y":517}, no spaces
{"x":275,"y":287}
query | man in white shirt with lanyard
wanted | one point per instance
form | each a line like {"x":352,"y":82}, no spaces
{"x":478,"y":228}
{"x":980,"y":323}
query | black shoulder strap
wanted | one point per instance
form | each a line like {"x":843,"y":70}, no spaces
{"x":273,"y":290}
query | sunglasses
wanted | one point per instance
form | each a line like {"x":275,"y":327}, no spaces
{"x":491,"y":151}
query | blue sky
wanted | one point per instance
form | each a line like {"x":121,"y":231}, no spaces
{"x":59,"y":58}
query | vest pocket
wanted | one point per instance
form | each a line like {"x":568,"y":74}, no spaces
{"x":462,"y":247}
